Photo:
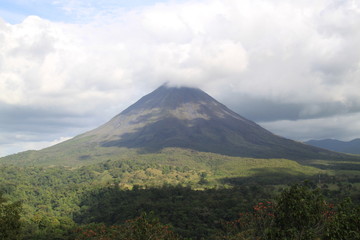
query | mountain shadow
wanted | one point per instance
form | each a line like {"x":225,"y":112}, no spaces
{"x":192,"y":213}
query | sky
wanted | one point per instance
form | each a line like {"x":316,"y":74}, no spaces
{"x":68,"y":66}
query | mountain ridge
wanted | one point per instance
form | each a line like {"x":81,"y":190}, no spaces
{"x":352,"y":146}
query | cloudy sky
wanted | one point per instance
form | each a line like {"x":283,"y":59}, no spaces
{"x":68,"y":66}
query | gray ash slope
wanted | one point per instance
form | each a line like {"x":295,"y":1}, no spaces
{"x":189,"y":118}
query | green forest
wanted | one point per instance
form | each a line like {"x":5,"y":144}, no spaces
{"x":139,"y":200}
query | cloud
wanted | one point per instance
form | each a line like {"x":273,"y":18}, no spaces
{"x":272,"y":61}
{"x":344,"y":127}
{"x":21,"y":145}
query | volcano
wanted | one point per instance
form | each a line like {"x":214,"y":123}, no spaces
{"x":189,"y":118}
{"x":179,"y":118}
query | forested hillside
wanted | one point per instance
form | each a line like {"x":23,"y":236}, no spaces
{"x":66,"y":203}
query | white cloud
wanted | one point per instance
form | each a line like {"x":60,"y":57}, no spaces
{"x":345,"y":127}
{"x":280,"y":54}
{"x":20,"y":145}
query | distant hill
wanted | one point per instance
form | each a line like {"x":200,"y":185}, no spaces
{"x":352,"y":146}
{"x":173,"y":117}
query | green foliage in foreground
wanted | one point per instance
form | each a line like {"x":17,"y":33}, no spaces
{"x":9,"y":219}
{"x":146,"y":226}
{"x":345,"y":222}
{"x":299,"y":213}
{"x":193,"y":192}
{"x":192,"y":213}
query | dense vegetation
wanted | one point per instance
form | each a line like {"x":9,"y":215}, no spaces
{"x":101,"y":201}
{"x":298,"y":212}
{"x":10,"y":225}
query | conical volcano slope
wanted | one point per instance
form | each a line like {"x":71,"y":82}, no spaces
{"x":173,"y":117}
{"x":190,"y":118}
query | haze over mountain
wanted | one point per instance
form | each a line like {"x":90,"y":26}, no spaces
{"x":352,"y":146}
{"x":179,"y":117}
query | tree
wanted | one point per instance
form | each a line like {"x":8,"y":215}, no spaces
{"x":300,"y":213}
{"x":146,"y":226}
{"x":344,"y":223}
{"x":250,"y":225}
{"x":9,"y":219}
